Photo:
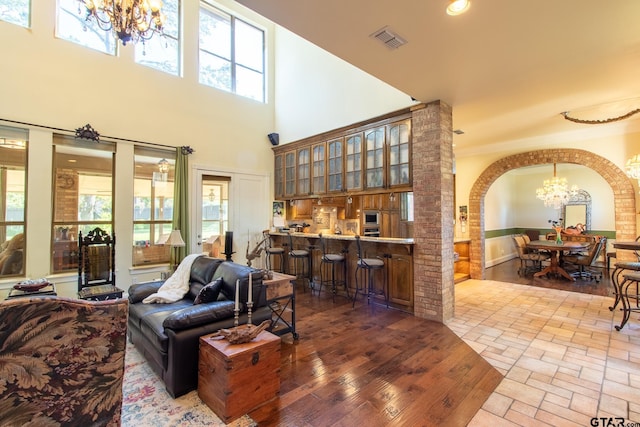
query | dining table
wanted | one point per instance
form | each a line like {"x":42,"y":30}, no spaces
{"x":555,"y":248}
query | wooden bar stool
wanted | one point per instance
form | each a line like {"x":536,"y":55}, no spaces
{"x":631,"y":280}
{"x":331,"y":261}
{"x":301,"y":260}
{"x":270,"y":251}
{"x":368,"y":266}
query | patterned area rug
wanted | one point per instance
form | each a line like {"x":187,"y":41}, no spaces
{"x":146,"y":402}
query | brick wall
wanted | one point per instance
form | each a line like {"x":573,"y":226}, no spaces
{"x":623,"y":194}
{"x":433,"y":212}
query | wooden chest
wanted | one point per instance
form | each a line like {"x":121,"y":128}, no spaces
{"x":234,"y":379}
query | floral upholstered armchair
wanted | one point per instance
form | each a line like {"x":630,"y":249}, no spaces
{"x":61,"y":361}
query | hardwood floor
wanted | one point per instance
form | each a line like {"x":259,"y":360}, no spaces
{"x":374,"y":365}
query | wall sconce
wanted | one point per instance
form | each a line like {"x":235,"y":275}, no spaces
{"x":392,"y":197}
{"x":349,"y":199}
{"x":292,"y":202}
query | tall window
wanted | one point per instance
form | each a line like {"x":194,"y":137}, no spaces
{"x":231,"y":53}
{"x":152,"y":206}
{"x":16,"y":12}
{"x":163,"y":53}
{"x":72,"y":25}
{"x":13,"y":161}
{"x":82,"y":196}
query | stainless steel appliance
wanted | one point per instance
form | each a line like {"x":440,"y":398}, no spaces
{"x":371,"y":218}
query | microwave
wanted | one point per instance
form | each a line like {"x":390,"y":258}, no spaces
{"x":371,"y":218}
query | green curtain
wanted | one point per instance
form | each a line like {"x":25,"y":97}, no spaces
{"x":180,"y":203}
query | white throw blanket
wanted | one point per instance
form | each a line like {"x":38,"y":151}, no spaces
{"x":176,"y":286}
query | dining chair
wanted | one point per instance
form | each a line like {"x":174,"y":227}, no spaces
{"x":586,"y":262}
{"x":529,"y":261}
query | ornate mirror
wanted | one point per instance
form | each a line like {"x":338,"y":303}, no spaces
{"x":578,"y":210}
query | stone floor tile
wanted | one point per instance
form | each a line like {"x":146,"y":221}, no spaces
{"x":585,"y":405}
{"x":484,"y":418}
{"x":521,"y":392}
{"x":497,"y":404}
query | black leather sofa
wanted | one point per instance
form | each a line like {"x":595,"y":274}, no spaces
{"x":168,"y":335}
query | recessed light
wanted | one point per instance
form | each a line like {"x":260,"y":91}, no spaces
{"x":458,"y":131}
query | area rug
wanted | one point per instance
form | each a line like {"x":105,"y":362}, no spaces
{"x":147,"y":403}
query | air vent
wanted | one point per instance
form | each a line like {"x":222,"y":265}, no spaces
{"x":389,"y":38}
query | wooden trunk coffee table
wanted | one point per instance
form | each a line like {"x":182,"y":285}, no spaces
{"x":234,"y":379}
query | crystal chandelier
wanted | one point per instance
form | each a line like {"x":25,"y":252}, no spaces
{"x":632,"y":168}
{"x":555,"y":191}
{"x":130,"y":20}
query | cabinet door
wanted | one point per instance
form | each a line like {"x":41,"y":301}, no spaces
{"x":278,"y":178}
{"x":335,"y":159}
{"x":318,"y":169}
{"x":372,"y":201}
{"x":399,"y":153}
{"x":374,"y":157}
{"x":290,"y":174}
{"x":400,"y":279}
{"x":353,"y":160}
{"x":303,"y":172}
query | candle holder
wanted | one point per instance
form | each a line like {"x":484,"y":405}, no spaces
{"x":249,"y":308}
{"x":236,"y":314}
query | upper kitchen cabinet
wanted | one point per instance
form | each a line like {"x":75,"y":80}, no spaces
{"x":289,"y":173}
{"x":318,"y":169}
{"x":278,"y":176}
{"x":353,"y":162}
{"x":303,"y":172}
{"x":335,"y":158}
{"x":399,"y":138}
{"x":374,"y":157}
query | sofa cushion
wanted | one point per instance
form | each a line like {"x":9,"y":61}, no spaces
{"x":150,"y":318}
{"x":140,"y":291}
{"x":202,"y":271}
{"x":209,"y":292}
{"x":201,"y":314}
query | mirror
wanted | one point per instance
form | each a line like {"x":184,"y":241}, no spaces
{"x":578,"y":210}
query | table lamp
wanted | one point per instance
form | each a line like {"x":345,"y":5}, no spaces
{"x":175,"y":241}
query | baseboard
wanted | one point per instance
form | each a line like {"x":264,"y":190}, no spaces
{"x":499,"y":260}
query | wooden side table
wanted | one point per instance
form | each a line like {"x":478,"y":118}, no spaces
{"x":281,"y":299}
{"x":234,"y":379}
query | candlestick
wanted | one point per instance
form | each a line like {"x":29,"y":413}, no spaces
{"x":236,"y":310}
{"x":250,"y":297}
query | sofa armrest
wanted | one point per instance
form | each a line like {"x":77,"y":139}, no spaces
{"x":199,"y":314}
{"x":140,"y":291}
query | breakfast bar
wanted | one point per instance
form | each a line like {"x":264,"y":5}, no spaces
{"x":396,"y":253}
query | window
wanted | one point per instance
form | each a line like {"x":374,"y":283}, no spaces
{"x":73,"y":26}
{"x":163,"y":53}
{"x":231,"y":54}
{"x":152,"y":206}
{"x":16,"y":12}
{"x":13,"y":161}
{"x":82,"y":196}
{"x":215,"y":213}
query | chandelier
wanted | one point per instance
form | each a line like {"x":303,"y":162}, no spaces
{"x":130,"y":20}
{"x":555,"y":191}
{"x":632,"y":168}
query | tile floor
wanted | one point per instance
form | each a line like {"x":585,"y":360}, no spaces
{"x":562,"y":360}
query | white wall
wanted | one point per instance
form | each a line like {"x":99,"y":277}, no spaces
{"x":317,"y":91}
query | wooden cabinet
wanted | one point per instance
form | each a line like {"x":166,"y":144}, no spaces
{"x":303,"y":172}
{"x":353,"y":162}
{"x":300,"y":209}
{"x":318,"y":169}
{"x":400,"y":271}
{"x":289,"y":173}
{"x":372,"y":201}
{"x":335,"y":169}
{"x":461,"y":267}
{"x":399,"y":154}
{"x":278,"y":176}
{"x":374,"y":157}
{"x":390,"y":223}
{"x":234,"y":379}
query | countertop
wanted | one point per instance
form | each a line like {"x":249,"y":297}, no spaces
{"x":396,"y":240}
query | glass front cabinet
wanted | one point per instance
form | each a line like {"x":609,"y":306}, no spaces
{"x":363,"y":159}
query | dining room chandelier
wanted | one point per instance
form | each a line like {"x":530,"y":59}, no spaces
{"x":555,"y":192}
{"x":130,"y":20}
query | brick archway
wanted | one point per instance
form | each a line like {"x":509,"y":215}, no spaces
{"x":623,"y":194}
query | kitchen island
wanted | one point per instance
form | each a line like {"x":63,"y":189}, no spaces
{"x":397,"y":254}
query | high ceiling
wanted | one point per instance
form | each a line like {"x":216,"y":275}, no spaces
{"x":507,"y":67}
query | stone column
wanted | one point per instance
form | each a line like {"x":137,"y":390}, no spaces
{"x":433,"y":211}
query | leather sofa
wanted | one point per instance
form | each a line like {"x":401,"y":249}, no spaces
{"x":168,"y":335}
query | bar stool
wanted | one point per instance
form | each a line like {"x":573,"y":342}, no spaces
{"x":270,"y":251}
{"x":617,"y":278}
{"x":368,"y":266}
{"x":630,"y":279}
{"x":332,"y":261}
{"x":301,"y":257}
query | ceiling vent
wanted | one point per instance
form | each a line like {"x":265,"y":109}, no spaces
{"x":389,"y":38}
